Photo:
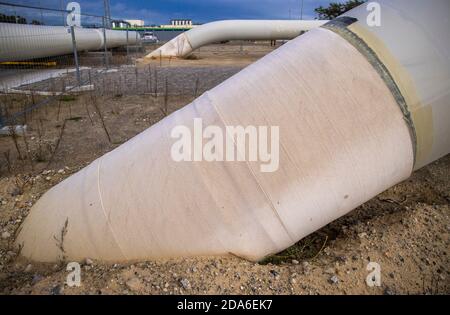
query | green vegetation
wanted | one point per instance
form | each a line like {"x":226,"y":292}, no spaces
{"x":336,"y":9}
{"x":68,"y":98}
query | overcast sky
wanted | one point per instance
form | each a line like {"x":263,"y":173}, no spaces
{"x":161,"y":11}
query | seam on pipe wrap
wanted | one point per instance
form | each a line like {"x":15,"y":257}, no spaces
{"x":340,"y":27}
{"x":189,"y":50}
{"x":107,"y":217}
{"x":266,"y":195}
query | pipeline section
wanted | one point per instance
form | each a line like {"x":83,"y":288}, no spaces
{"x":214,"y":32}
{"x":20,"y":42}
{"x":358,"y":109}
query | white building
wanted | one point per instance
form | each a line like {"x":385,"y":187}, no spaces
{"x":120,"y":24}
{"x":181,"y":22}
{"x":136,"y":23}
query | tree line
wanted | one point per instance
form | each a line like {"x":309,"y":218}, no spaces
{"x":17,"y":19}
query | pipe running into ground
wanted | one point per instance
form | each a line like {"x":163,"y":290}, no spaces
{"x":23,"y":42}
{"x":357,"y":108}
{"x":219,"y":31}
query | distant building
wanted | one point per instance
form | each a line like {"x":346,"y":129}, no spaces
{"x":120,"y":24}
{"x":136,"y":23}
{"x":181,"y":22}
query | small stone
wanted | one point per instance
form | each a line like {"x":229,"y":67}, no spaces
{"x":36,"y":279}
{"x":134,"y":284}
{"x":274,"y":272}
{"x":362,"y":235}
{"x":28,"y":268}
{"x":56,"y":267}
{"x":185,"y":284}
{"x":48,"y":178}
{"x":306,"y":267}
{"x":295,"y":262}
{"x":61,"y":171}
{"x":330,"y":271}
{"x":334,"y":279}
{"x":15,"y":192}
{"x":293,"y":281}
{"x":5,"y":235}
{"x":388,"y":291}
{"x":342,"y":259}
{"x":57,"y":290}
{"x":88,"y":262}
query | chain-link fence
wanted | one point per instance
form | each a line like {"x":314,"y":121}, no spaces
{"x":44,"y":57}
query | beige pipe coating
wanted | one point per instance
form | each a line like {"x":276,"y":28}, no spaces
{"x":343,"y":140}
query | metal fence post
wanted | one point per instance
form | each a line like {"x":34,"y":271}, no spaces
{"x":75,"y":55}
{"x":90,"y":77}
{"x":138,"y":41}
{"x":128,"y":50}
{"x":104,"y":44}
{"x":2,"y":120}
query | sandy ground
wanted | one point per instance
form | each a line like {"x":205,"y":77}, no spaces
{"x":232,"y":54}
{"x":405,"y":230}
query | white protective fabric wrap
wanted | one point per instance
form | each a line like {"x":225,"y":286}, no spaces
{"x":413,"y":42}
{"x":21,"y":41}
{"x":343,"y":140}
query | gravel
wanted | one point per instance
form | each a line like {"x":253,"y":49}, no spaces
{"x":185,"y":284}
{"x":134,"y":284}
{"x":334,"y":279}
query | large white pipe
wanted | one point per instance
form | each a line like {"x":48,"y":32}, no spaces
{"x":358,"y":109}
{"x":219,"y":31}
{"x":413,"y":44}
{"x":22,"y":42}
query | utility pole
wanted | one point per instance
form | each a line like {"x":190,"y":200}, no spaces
{"x":42,"y":14}
{"x":107,"y":13}
{"x":62,"y":13}
{"x":301,"y":10}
